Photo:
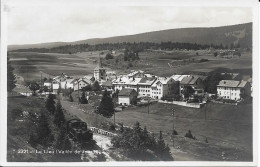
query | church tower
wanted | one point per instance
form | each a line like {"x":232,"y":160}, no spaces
{"x":100,"y":72}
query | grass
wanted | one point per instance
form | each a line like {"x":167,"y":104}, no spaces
{"x":29,"y":64}
{"x":227,"y":128}
{"x":19,"y":129}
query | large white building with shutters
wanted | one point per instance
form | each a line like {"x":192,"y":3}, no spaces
{"x":231,"y":89}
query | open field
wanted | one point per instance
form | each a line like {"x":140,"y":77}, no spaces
{"x":185,"y":61}
{"x":19,"y":129}
{"x":227,"y":128}
{"x":29,"y":64}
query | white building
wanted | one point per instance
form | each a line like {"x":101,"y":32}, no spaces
{"x":162,"y":87}
{"x":144,"y":86}
{"x":100,"y":72}
{"x":126,"y":82}
{"x":79,"y":84}
{"x":127,"y":96}
{"x":230,"y":89}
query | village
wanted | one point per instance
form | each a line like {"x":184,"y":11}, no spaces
{"x":109,"y":83}
{"x":143,"y":86}
{"x":176,"y":107}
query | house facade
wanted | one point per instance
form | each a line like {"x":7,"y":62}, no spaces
{"x":162,"y":87}
{"x":230,"y":89}
{"x":127,"y":97}
{"x":194,"y":81}
{"x":144,"y":86}
{"x":126,"y":82}
{"x":79,"y":84}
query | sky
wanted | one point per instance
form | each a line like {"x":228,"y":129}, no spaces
{"x":39,"y":23}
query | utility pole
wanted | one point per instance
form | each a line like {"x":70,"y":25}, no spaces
{"x":78,"y":92}
{"x":173,"y":110}
{"x":114,"y":117}
{"x":41,"y":80}
{"x":148,"y":105}
{"x":205,"y":111}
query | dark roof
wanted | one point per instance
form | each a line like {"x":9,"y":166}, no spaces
{"x":189,"y":80}
{"x":126,"y":92}
{"x":232,"y":83}
{"x":202,"y":77}
{"x":107,"y":83}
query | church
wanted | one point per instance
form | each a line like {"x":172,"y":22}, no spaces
{"x":100,"y":74}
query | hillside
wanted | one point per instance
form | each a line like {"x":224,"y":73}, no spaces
{"x":241,"y":33}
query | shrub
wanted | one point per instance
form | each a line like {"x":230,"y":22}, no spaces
{"x":112,"y":127}
{"x":109,"y":56}
{"x":189,"y":135}
{"x":32,"y":140}
{"x":204,"y":60}
{"x":130,"y":64}
{"x":99,"y":157}
{"x":175,"y":132}
{"x":138,"y":144}
{"x":70,"y":98}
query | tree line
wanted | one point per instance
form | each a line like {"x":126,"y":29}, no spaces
{"x":135,"y":47}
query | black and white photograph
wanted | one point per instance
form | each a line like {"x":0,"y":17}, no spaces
{"x":129,"y":82}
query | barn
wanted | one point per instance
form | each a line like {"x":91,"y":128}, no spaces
{"x":127,"y":97}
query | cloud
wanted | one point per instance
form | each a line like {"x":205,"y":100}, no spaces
{"x":32,"y":23}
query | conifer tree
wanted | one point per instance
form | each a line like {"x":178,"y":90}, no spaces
{"x":71,"y":98}
{"x":50,"y":103}
{"x":106,"y":107}
{"x":59,"y":118}
{"x":10,"y":76}
{"x":96,"y":86}
{"x":83,"y":99}
{"x":43,"y":130}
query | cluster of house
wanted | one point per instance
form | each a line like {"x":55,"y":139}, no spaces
{"x":139,"y":83}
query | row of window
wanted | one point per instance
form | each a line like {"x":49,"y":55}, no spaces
{"x":227,"y":93}
{"x":156,"y":92}
{"x":225,"y":88}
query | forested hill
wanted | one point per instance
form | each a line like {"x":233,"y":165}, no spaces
{"x":225,"y":35}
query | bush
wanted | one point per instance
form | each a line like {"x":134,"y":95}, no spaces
{"x":189,"y":135}
{"x":228,"y":101}
{"x":175,"y":132}
{"x":15,"y":113}
{"x":99,"y":157}
{"x":33,"y":140}
{"x":109,"y":56}
{"x":130,"y":64}
{"x":71,"y":98}
{"x":204,"y":60}
{"x":138,"y":144}
{"x":112,"y":127}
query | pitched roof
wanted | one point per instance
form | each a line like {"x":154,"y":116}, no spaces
{"x":202,"y":77}
{"x":79,"y":80}
{"x":242,"y":84}
{"x":178,"y":77}
{"x":125,"y":92}
{"x":147,"y":81}
{"x":229,"y":83}
{"x":190,"y":80}
{"x":127,"y":80}
{"x":107,"y":83}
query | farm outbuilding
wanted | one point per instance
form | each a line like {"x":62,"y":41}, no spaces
{"x":127,"y":96}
